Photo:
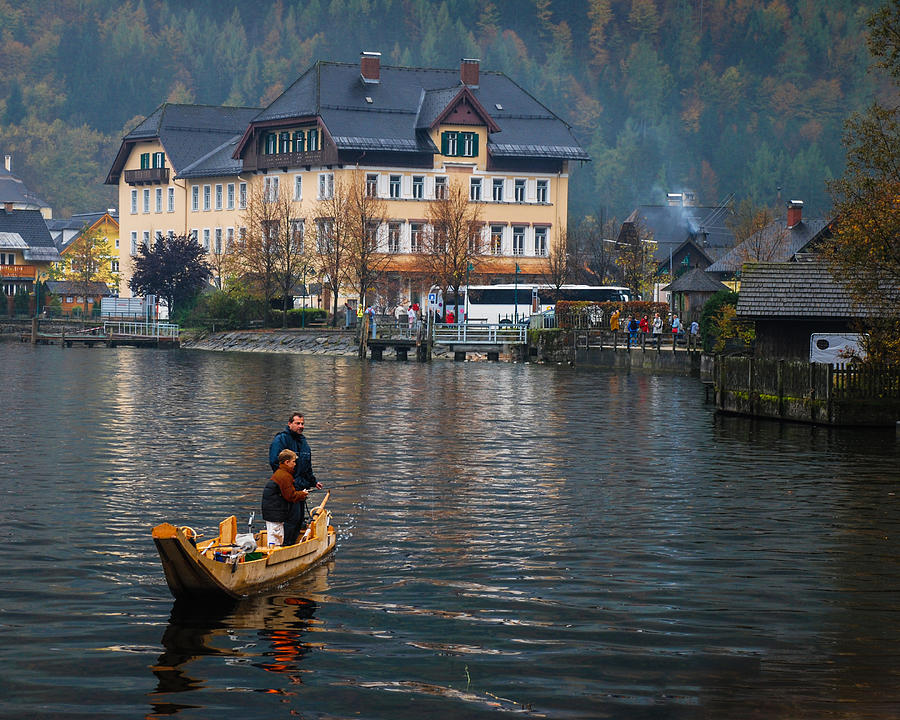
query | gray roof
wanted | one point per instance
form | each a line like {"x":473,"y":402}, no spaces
{"x":216,"y":162}
{"x":695,"y":280}
{"x":30,"y":227}
{"x":405,"y":100}
{"x":187,"y":132}
{"x":779,"y":242}
{"x":72,"y":287}
{"x":672,"y":225}
{"x":794,"y":290}
{"x":13,"y":190}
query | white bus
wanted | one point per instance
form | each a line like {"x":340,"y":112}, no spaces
{"x":511,"y":303}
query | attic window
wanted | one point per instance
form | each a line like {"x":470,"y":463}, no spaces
{"x":498,"y":106}
{"x":368,"y":99}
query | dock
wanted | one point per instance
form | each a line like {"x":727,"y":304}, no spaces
{"x":110,"y":334}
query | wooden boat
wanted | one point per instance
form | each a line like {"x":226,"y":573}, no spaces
{"x":220,"y":567}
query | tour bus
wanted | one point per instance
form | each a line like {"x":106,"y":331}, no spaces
{"x":512,"y":303}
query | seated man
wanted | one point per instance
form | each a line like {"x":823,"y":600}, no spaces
{"x":279,"y":496}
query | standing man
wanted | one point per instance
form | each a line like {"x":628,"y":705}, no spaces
{"x":291,"y":438}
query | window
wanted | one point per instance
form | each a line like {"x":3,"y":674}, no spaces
{"x":206,"y":239}
{"x":271,"y":144}
{"x":229,"y":239}
{"x":326,"y":185}
{"x":475,"y":189}
{"x":440,"y":188}
{"x":159,"y":160}
{"x":497,"y":190}
{"x":114,"y":265}
{"x":297,"y":233}
{"x":298,"y":187}
{"x":207,"y":197}
{"x":171,"y":200}
{"x":284,"y":142}
{"x":270,"y":189}
{"x":242,"y":196}
{"x":520,"y":190}
{"x":134,"y":246}
{"x":195,"y":235}
{"x":195,"y":198}
{"x":459,"y":144}
{"x":218,"y":245}
{"x":159,"y":200}
{"x":543,"y":190}
{"x":371,"y":185}
{"x":134,"y":202}
{"x":229,"y":196}
{"x":418,"y":187}
{"x":394,"y":237}
{"x":448,"y":143}
{"x":170,"y":234}
{"x":475,"y":240}
{"x":312,"y":140}
{"x":415,"y":237}
{"x":299,"y":141}
{"x":146,"y":242}
{"x":372,"y":235}
{"x":218,"y":197}
{"x":117,"y":243}
{"x":518,"y":240}
{"x":323,"y":235}
{"x":145,"y":161}
{"x":146,"y":200}
{"x":540,"y":241}
{"x":394,"y":186}
{"x":496,"y":239}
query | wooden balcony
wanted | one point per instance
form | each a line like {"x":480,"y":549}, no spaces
{"x":17,"y":271}
{"x":292,"y":159}
{"x":148,"y":176}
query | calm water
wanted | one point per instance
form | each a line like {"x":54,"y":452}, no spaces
{"x":513,"y":540}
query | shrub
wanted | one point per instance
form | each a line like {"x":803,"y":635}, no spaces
{"x":596,"y":315}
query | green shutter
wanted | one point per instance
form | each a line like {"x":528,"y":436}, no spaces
{"x":474,"y":144}
{"x":444,"y":143}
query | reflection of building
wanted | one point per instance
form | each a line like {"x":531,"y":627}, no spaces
{"x":409,"y":131}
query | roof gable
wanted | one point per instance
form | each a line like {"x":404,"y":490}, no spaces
{"x":774,"y":243}
{"x":462,"y":108}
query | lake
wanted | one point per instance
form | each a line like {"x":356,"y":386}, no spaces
{"x":523,"y":540}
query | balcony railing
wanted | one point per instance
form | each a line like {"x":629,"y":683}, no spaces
{"x":17,"y":271}
{"x":147,"y":176}
{"x":291,"y":159}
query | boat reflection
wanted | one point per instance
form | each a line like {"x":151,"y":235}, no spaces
{"x":280,"y":619}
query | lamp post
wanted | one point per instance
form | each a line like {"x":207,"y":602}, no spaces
{"x":516,"y":314}
{"x":469,"y":268}
{"x":305,"y":293}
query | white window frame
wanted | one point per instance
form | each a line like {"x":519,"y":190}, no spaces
{"x":270,"y":188}
{"x":146,"y":199}
{"x":229,"y":196}
{"x":542,"y":192}
{"x":159,"y":200}
{"x":395,"y":186}
{"x":415,"y":237}
{"x":195,"y":198}
{"x":518,"y":240}
{"x":134,"y":202}
{"x":146,"y":238}
{"x":206,"y":239}
{"x":496,"y":248}
{"x":170,"y":199}
{"x":393,"y":237}
{"x":229,"y":239}
{"x":218,"y":196}
{"x":207,"y":197}
{"x":134,"y":243}
{"x":418,"y":187}
{"x":326,"y":186}
{"x":298,"y":187}
{"x":218,"y":241}
{"x":372,"y":185}
{"x":498,"y":184}
{"x":475,"y":189}
{"x":519,"y":185}
{"x":541,"y":240}
{"x":242,"y":196}
{"x":440,"y":182}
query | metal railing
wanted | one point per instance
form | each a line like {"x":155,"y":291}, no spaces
{"x":477,"y":333}
{"x":141,"y":329}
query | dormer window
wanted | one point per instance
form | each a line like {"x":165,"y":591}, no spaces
{"x":459,"y":144}
{"x":291,"y":141}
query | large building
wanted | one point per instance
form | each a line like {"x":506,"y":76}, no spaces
{"x":411,"y":131}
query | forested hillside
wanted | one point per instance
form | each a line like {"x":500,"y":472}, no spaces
{"x":718,"y":96}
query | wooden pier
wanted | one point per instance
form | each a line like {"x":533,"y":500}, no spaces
{"x":110,"y":334}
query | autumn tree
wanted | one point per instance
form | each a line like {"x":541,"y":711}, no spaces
{"x":366,"y":258}
{"x":88,"y":260}
{"x":173,"y":268}
{"x":453,"y":243}
{"x":598,"y":250}
{"x":634,"y":256}
{"x":331,"y":239}
{"x":558,"y":266}
{"x":759,"y":236}
{"x":864,"y":251}
{"x":270,"y":253}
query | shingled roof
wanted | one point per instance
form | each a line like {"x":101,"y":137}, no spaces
{"x":26,"y":230}
{"x":186,"y":132}
{"x":782,"y":245}
{"x":390,"y":114}
{"x":672,"y":225}
{"x":73,"y":287}
{"x":695,"y":280}
{"x":795,"y":290}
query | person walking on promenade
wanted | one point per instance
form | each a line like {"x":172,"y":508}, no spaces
{"x":657,"y":329}
{"x":644,"y":325}
{"x":411,"y":319}
{"x":291,"y":438}
{"x":614,"y":321}
{"x":370,"y":313}
{"x":676,"y":326}
{"x":279,"y":495}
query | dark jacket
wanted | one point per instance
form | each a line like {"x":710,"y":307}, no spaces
{"x":303,"y":474}
{"x":279,"y":495}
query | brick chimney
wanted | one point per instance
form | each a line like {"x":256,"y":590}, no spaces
{"x":794,"y":213}
{"x":468,"y":71}
{"x":370,"y":67}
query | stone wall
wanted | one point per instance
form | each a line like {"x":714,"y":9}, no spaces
{"x":277,"y":341}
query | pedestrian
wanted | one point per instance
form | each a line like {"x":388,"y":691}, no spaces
{"x":451,"y":318}
{"x":279,"y":496}
{"x":291,"y":438}
{"x":676,"y":325}
{"x":411,"y":318}
{"x":644,"y":325}
{"x":370,"y":313}
{"x":632,"y":329}
{"x":695,"y":329}
{"x":614,"y":321}
{"x":657,"y":325}
{"x":348,"y":314}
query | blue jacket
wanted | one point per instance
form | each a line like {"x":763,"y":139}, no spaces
{"x":303,"y":474}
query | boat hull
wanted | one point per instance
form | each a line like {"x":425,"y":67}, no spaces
{"x":193,"y":571}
